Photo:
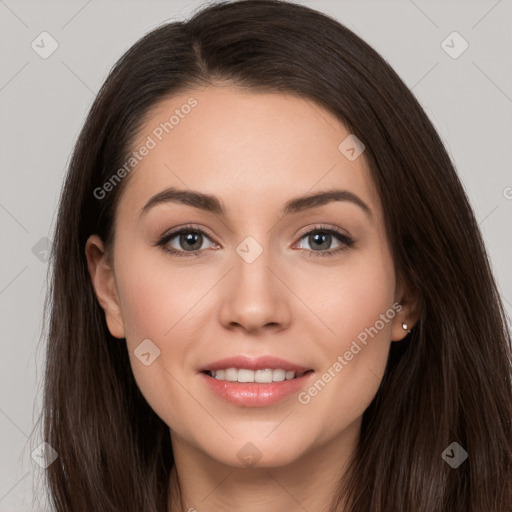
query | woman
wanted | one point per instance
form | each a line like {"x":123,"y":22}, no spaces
{"x":269,"y":289}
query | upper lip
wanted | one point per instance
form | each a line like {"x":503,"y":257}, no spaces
{"x":254,"y":363}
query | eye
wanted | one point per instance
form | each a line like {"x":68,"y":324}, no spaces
{"x":188,"y":239}
{"x":321,"y":237}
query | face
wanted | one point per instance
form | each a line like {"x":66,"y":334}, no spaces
{"x":256,"y":280}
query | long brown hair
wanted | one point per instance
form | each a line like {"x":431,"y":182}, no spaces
{"x":449,"y":382}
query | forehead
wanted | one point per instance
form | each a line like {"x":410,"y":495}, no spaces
{"x":253,"y":150}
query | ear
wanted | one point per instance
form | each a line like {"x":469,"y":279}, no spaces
{"x":103,"y":281}
{"x":409,"y":313}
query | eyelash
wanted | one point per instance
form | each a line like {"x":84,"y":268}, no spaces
{"x":346,"y":241}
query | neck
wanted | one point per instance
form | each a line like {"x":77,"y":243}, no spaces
{"x":202,"y":484}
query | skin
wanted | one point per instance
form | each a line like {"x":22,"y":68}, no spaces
{"x":254,"y":152}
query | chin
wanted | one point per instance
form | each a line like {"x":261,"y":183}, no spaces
{"x":258,"y":452}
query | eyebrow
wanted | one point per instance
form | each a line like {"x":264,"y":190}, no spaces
{"x":212,"y":204}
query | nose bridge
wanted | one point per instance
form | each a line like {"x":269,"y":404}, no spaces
{"x":254,"y":297}
{"x":252,"y":276}
{"x":252,"y":263}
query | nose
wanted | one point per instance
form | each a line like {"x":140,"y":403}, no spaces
{"x":254,"y":296}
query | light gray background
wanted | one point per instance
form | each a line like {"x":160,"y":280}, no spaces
{"x":44,"y":102}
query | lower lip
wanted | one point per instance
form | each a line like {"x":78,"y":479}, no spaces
{"x":254,"y":394}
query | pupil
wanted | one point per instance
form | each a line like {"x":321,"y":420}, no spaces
{"x":324,"y":237}
{"x":189,"y":240}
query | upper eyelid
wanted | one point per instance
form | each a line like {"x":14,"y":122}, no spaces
{"x":336,"y":229}
{"x":176,"y":231}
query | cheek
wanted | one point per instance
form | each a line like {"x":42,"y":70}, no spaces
{"x":359,"y":312}
{"x":159,"y":304}
{"x":157,"y":296}
{"x":351,"y":297}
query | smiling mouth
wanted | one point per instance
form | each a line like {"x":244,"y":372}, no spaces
{"x":263,"y":376}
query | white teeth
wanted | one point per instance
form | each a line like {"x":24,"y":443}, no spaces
{"x":278,"y":375}
{"x":262,"y":376}
{"x":231,"y":374}
{"x":245,"y":375}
